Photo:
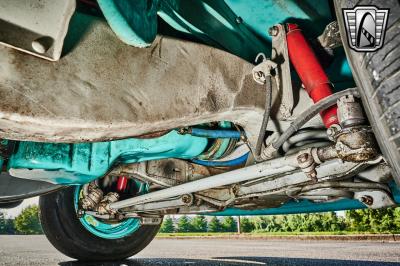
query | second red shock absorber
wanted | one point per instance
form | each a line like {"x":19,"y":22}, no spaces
{"x":310,"y":71}
{"x":122,"y":183}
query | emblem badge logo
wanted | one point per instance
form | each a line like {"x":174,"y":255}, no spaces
{"x":365,"y":27}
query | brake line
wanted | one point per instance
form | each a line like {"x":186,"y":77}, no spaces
{"x":263,"y":129}
{"x":305,"y":117}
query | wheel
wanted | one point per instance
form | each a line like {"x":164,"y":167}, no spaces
{"x":377,"y":76}
{"x":88,"y":238}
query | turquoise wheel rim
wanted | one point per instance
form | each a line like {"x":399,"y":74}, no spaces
{"x":106,"y":230}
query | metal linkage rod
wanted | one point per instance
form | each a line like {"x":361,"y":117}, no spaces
{"x":264,"y":169}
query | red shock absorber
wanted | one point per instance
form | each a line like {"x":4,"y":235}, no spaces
{"x":121,"y":183}
{"x":310,"y":71}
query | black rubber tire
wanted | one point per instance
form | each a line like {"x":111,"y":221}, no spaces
{"x":377,"y":75}
{"x":64,"y":230}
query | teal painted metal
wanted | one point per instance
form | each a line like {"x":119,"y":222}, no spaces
{"x":214,"y":23}
{"x":395,"y":191}
{"x":260,"y":15}
{"x":83,"y":162}
{"x":339,"y":72}
{"x":106,"y":230}
{"x":303,"y":206}
{"x":237,"y":26}
{"x":3,"y":146}
{"x":134,"y":21}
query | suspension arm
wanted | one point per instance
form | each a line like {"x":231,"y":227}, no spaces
{"x":264,"y":169}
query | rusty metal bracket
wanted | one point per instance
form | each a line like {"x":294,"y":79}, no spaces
{"x":280,"y":56}
{"x":264,"y":69}
{"x":330,"y":38}
{"x":279,"y":64}
{"x":37,"y":27}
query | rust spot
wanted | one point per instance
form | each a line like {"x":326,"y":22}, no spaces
{"x":153,"y":134}
{"x":210,"y":103}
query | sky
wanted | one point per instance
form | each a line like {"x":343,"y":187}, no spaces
{"x":17,"y":210}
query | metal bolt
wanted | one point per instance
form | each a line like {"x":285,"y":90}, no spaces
{"x":273,"y":31}
{"x":198,"y":202}
{"x":42,"y":44}
{"x":313,"y":175}
{"x":330,"y":131}
{"x":119,"y":216}
{"x":259,"y":75}
{"x":368,"y":200}
{"x":38,"y":47}
{"x":235,"y":189}
{"x":80,"y":213}
{"x":302,"y":158}
{"x":187,"y":199}
{"x":239,"y":20}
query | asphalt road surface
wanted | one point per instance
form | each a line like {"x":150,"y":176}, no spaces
{"x":36,"y":250}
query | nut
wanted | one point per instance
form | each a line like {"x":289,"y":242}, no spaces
{"x":307,"y":164}
{"x":259,"y":76}
{"x":187,"y":199}
{"x":239,"y":20}
{"x":302,"y":158}
{"x":273,"y":31}
{"x":368,"y":200}
{"x":313,"y":175}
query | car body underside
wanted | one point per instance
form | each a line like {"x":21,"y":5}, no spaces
{"x":172,"y":110}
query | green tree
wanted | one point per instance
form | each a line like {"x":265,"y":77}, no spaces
{"x":382,"y":220}
{"x":184,"y":225}
{"x":396,"y":214}
{"x":246,"y":225}
{"x":273,"y":224}
{"x":214,"y":225}
{"x":284,"y":223}
{"x":261,"y":222}
{"x":199,"y":224}
{"x":167,"y":226}
{"x":295,"y":223}
{"x":315,"y":222}
{"x":372,"y":220}
{"x":28,"y":221}
{"x":6,"y":225}
{"x":333,"y":223}
{"x":229,"y":224}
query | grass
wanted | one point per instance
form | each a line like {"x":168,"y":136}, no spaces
{"x":261,"y":234}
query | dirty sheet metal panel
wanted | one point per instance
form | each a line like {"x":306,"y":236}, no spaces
{"x":37,"y":27}
{"x":104,"y":89}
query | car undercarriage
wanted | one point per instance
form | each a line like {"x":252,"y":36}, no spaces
{"x":132,"y":110}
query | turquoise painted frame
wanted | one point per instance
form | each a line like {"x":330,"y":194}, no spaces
{"x":237,"y":26}
{"x":81,"y":163}
{"x":305,"y":206}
